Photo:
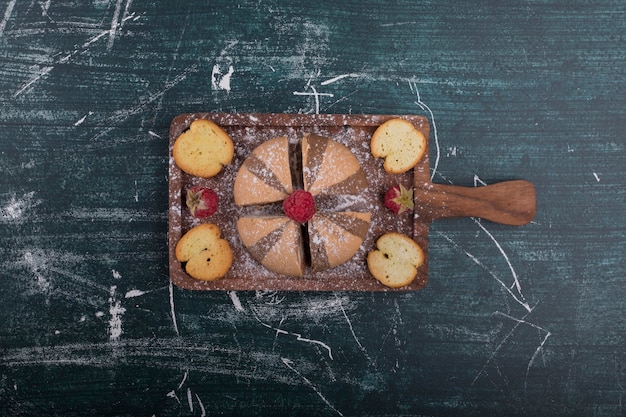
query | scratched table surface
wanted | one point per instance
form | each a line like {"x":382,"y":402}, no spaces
{"x":514,"y":320}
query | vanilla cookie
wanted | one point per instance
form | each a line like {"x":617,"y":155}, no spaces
{"x":205,"y":254}
{"x":203,"y":149}
{"x":395,"y":261}
{"x":399,"y":143}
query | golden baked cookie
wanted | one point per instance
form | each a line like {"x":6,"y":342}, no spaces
{"x":206,"y":255}
{"x":399,"y":143}
{"x":395,"y":261}
{"x":203,"y":149}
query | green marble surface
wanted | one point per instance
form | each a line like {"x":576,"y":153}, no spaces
{"x":515,"y":321}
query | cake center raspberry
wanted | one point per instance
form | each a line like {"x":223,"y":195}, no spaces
{"x":299,"y":206}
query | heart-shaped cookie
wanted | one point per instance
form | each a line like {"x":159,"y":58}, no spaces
{"x":206,"y":255}
{"x":203,"y":149}
{"x":399,"y":143}
{"x":395,"y":261}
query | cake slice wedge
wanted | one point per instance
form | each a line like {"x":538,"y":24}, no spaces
{"x":275,"y":242}
{"x":335,"y":237}
{"x":265,"y":175}
{"x":330,"y":168}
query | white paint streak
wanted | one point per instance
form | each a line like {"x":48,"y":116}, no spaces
{"x":134,"y":293}
{"x":532,"y":359}
{"x":172,"y":309}
{"x":423,"y":106}
{"x":116,"y":311}
{"x":298,"y":336}
{"x":82,"y":119}
{"x":339,"y":77}
{"x":493,"y":274}
{"x":516,"y":282}
{"x":126,"y":13}
{"x":79,"y":279}
{"x":315,"y":94}
{"x":496,"y":350}
{"x":172,"y":394}
{"x":190,"y":400}
{"x":202,"y":410}
{"x":596,"y":177}
{"x":114,"y":24}
{"x":236,"y":302}
{"x":42,"y":73}
{"x":182,"y":382}
{"x":123,"y":115}
{"x":66,"y":58}
{"x":220,"y":80}
{"x":289,"y":364}
{"x":45,"y":7}
{"x":413,"y":22}
{"x":345,"y":315}
{"x":539,"y":349}
{"x":7,"y":16}
{"x":109,"y":214}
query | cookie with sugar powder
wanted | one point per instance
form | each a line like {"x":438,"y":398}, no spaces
{"x":399,"y":143}
{"x":203,"y":150}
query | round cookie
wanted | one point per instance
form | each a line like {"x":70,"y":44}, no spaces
{"x":207,"y":256}
{"x":203,"y":149}
{"x":395,"y":261}
{"x":399,"y":143}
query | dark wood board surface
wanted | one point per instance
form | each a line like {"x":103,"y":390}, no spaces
{"x":509,"y":202}
{"x":513,"y":320}
{"x":249,"y":131}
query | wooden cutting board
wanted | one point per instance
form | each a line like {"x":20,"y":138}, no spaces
{"x":510,"y":202}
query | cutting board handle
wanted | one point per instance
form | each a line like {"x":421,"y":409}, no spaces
{"x":509,"y":202}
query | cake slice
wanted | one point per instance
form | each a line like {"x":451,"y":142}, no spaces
{"x":334,"y":238}
{"x":276,"y":242}
{"x":265,"y":176}
{"x":330,"y":168}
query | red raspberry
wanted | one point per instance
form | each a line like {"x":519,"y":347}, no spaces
{"x":299,"y":206}
{"x":202,"y":201}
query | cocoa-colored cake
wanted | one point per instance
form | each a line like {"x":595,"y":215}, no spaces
{"x":335,"y":237}
{"x":327,"y":170}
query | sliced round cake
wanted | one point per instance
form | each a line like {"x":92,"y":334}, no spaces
{"x":326,"y":240}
